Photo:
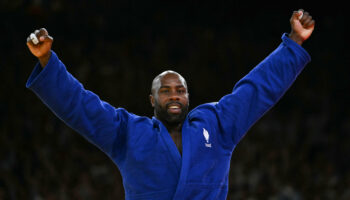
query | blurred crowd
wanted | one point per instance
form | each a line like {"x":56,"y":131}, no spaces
{"x":298,"y":150}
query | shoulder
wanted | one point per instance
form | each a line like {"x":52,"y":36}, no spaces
{"x":206,"y":110}
{"x":133,"y":119}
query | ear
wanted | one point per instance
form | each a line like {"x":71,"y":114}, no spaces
{"x":151,"y":99}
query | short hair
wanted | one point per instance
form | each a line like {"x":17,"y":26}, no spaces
{"x":156,"y":80}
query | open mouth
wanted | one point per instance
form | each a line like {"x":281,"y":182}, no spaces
{"x":174,"y":108}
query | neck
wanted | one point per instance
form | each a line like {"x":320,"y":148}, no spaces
{"x":172,"y":127}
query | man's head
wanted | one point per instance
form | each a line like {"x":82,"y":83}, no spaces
{"x":169,"y":97}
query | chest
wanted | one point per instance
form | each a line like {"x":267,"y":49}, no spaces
{"x":177,"y":139}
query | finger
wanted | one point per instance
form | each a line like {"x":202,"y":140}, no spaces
{"x":46,"y":38}
{"x":44,"y":35}
{"x":44,"y":31}
{"x":305,"y":16}
{"x":40,"y":33}
{"x":36,"y":32}
{"x":33,"y":39}
{"x":299,"y":14}
{"x":28,"y":39}
{"x":295,"y":16}
{"x":310,"y":24}
{"x":307,"y":20}
{"x":30,"y":42}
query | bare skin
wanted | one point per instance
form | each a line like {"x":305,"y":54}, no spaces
{"x":42,"y":50}
{"x":301,"y":28}
{"x":170,"y":101}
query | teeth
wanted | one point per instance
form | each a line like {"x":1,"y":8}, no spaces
{"x":173,"y":106}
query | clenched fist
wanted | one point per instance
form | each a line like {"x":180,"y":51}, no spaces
{"x":40,"y":46}
{"x":302,"y":26}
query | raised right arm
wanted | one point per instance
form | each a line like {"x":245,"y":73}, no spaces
{"x":82,"y":110}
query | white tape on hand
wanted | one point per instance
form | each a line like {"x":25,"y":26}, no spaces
{"x":34,"y":38}
{"x":301,"y":15}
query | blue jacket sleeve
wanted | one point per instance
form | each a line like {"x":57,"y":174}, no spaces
{"x":260,"y":89}
{"x":82,"y":110}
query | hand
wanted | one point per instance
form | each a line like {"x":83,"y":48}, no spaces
{"x":42,"y":50}
{"x":301,"y":27}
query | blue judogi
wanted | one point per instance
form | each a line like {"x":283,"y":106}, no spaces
{"x":142,"y":148}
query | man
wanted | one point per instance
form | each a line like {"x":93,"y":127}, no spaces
{"x":177,"y":154}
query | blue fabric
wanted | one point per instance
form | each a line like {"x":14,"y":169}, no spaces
{"x":142,"y":148}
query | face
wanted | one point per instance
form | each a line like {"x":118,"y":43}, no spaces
{"x":170,"y":99}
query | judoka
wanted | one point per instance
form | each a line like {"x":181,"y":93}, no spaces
{"x":177,"y":154}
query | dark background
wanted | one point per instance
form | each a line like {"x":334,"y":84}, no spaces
{"x":298,"y":150}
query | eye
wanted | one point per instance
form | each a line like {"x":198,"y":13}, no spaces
{"x":181,"y":91}
{"x":164,"y":91}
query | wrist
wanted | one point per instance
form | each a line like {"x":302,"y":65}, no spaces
{"x":296,"y":38}
{"x":44,"y":59}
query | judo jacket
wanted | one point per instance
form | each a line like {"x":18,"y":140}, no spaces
{"x":141,"y":147}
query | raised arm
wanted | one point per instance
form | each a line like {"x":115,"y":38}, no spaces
{"x":96,"y":120}
{"x":263,"y":86}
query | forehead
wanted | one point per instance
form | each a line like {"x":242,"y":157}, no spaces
{"x":170,"y":79}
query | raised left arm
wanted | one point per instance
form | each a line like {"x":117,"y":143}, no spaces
{"x":264,"y":85}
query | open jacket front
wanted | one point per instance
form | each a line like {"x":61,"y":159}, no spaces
{"x":142,"y":148}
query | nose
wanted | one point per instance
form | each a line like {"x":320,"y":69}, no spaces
{"x":174,"y":96}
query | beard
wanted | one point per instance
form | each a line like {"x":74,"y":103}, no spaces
{"x":170,"y":118}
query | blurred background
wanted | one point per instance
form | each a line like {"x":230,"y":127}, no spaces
{"x":298,"y":150}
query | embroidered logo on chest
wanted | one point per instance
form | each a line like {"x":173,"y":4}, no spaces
{"x":206,"y":137}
